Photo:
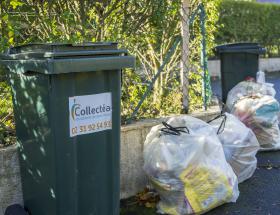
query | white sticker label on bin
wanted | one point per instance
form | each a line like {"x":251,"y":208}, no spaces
{"x":90,"y":113}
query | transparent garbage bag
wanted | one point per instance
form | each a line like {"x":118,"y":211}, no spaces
{"x":239,"y":143}
{"x":185,"y":162}
{"x":261,"y":114}
{"x":248,"y":88}
{"x":260,"y":77}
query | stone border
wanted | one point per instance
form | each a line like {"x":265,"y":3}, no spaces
{"x":10,"y":184}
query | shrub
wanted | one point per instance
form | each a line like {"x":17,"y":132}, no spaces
{"x":147,"y":28}
{"x":242,"y":21}
{"x":7,"y":127}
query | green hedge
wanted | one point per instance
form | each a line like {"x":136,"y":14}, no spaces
{"x":242,"y":21}
{"x":146,"y":28}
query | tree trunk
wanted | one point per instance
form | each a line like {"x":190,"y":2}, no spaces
{"x":185,"y":53}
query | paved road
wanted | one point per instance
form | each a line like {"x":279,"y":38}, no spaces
{"x":259,"y":195}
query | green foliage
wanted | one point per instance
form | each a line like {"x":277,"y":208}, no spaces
{"x":151,"y":45}
{"x":242,"y":21}
{"x":146,"y":28}
{"x":150,"y":36}
{"x":196,"y":72}
{"x":7,"y":128}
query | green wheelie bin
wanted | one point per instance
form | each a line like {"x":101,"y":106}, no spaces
{"x":67,"y":111}
{"x":238,"y":61}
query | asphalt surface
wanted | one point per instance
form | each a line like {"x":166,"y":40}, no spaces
{"x":260,"y":195}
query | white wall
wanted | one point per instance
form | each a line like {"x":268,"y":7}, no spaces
{"x":265,"y":64}
{"x":270,"y":64}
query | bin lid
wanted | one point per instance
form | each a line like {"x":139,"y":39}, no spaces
{"x":253,"y":48}
{"x":62,"y":50}
{"x":56,"y":58}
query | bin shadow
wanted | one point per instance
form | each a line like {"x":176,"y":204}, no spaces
{"x":33,"y":129}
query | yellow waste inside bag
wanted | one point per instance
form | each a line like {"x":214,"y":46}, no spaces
{"x":205,"y":188}
{"x":186,"y":164}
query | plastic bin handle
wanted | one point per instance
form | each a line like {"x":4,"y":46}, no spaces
{"x":92,"y":64}
{"x":70,"y":65}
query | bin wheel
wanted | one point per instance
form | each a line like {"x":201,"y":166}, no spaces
{"x":15,"y":209}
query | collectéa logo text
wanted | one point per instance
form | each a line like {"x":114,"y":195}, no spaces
{"x":78,"y":111}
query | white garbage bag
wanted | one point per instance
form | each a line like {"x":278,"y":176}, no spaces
{"x":239,"y":143}
{"x":248,"y":88}
{"x":260,"y":113}
{"x":185,"y":162}
{"x":254,"y":104}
